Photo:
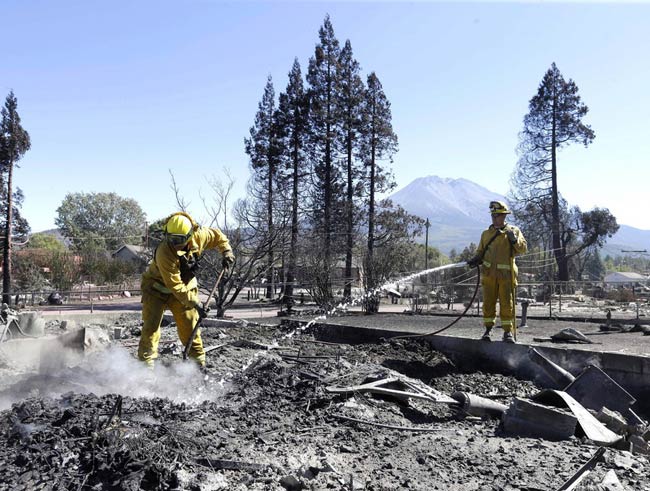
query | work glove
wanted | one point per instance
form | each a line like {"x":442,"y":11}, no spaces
{"x":228,"y":260}
{"x":510,"y":232}
{"x":203,"y":312}
{"x":474,"y":262}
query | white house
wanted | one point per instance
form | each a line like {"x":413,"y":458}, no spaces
{"x":624,"y":278}
{"x":131,"y":253}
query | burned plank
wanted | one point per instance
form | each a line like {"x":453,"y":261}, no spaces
{"x":232,"y":465}
{"x":379,"y":387}
{"x":581,"y":473}
{"x":215,"y":347}
{"x":383,"y":425}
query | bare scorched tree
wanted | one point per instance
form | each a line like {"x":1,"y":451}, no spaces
{"x":554,"y":121}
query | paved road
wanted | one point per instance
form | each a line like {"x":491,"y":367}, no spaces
{"x":134,"y":306}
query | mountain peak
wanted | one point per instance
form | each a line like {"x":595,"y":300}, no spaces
{"x":456,"y":208}
{"x":446,"y":200}
{"x":442,"y":180}
{"x":458,"y":212}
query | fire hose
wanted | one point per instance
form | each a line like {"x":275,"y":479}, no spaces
{"x":469,"y":305}
{"x":478,"y":282}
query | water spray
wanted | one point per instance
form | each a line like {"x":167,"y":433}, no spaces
{"x":469,"y":304}
{"x":343,"y":306}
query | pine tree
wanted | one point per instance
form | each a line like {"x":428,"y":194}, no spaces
{"x":352,"y":93}
{"x":324,"y":86}
{"x":293,"y":112}
{"x":263,"y":151}
{"x":554,"y":121}
{"x":20,"y":228}
{"x":379,"y":143}
{"x":14,"y":143}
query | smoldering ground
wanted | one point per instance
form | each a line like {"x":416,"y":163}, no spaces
{"x":112,"y":371}
{"x":273,"y":425}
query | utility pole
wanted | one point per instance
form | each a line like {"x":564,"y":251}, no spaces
{"x":427,"y":224}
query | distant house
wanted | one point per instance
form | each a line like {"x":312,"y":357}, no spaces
{"x":624,"y":278}
{"x":131,"y":253}
{"x":338,"y":272}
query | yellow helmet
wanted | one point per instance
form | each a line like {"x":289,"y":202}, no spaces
{"x":178,"y":229}
{"x":499,"y":208}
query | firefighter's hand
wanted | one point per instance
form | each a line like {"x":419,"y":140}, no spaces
{"x":510,"y":232}
{"x":203,"y":312}
{"x":474,"y":262}
{"x":228,"y":260}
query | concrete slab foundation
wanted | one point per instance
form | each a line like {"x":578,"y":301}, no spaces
{"x":630,"y":371}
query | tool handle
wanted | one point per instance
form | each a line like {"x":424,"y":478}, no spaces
{"x":214,"y":289}
{"x":198,"y":324}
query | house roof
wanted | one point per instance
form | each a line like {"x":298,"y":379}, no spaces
{"x":135,"y":249}
{"x":623,"y":277}
{"x":341,"y":263}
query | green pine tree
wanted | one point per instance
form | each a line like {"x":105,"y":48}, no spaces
{"x":293,"y":113}
{"x":379,"y":143}
{"x":350,"y":107}
{"x":14,"y":143}
{"x":263,"y":151}
{"x":324,"y":88}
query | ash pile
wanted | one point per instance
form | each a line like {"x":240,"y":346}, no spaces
{"x":278,"y":409}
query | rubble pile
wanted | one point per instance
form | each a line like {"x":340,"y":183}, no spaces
{"x":281,"y":411}
{"x":82,"y":441}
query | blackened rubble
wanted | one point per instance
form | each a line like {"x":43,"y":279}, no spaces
{"x":272,"y":425}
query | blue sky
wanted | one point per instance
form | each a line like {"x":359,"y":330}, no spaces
{"x":117,"y":94}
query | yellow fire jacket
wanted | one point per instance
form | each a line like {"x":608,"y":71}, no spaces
{"x":498,"y":255}
{"x":164,"y":273}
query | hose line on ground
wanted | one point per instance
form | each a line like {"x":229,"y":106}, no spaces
{"x":469,"y":305}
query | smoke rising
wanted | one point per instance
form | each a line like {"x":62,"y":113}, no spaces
{"x":116,"y":371}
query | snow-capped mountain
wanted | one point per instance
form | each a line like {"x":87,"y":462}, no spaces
{"x":458,"y":212}
{"x":456,"y":208}
{"x":445,"y":200}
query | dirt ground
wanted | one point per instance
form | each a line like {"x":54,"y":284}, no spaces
{"x":260,"y":418}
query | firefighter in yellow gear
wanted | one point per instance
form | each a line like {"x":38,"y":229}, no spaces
{"x":496,"y":252}
{"x":170,"y":283}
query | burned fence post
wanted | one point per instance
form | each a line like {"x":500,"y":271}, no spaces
{"x":524,"y":313}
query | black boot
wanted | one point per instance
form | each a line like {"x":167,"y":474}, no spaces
{"x":486,"y":334}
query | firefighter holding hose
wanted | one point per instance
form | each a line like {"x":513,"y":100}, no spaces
{"x":495,"y":255}
{"x":170,"y":283}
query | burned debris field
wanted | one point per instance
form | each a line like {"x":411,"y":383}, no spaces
{"x":277,"y":409}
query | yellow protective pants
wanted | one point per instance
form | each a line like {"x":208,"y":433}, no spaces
{"x":153,"y":307}
{"x":495,"y":288}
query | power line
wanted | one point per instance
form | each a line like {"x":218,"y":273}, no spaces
{"x":99,"y":238}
